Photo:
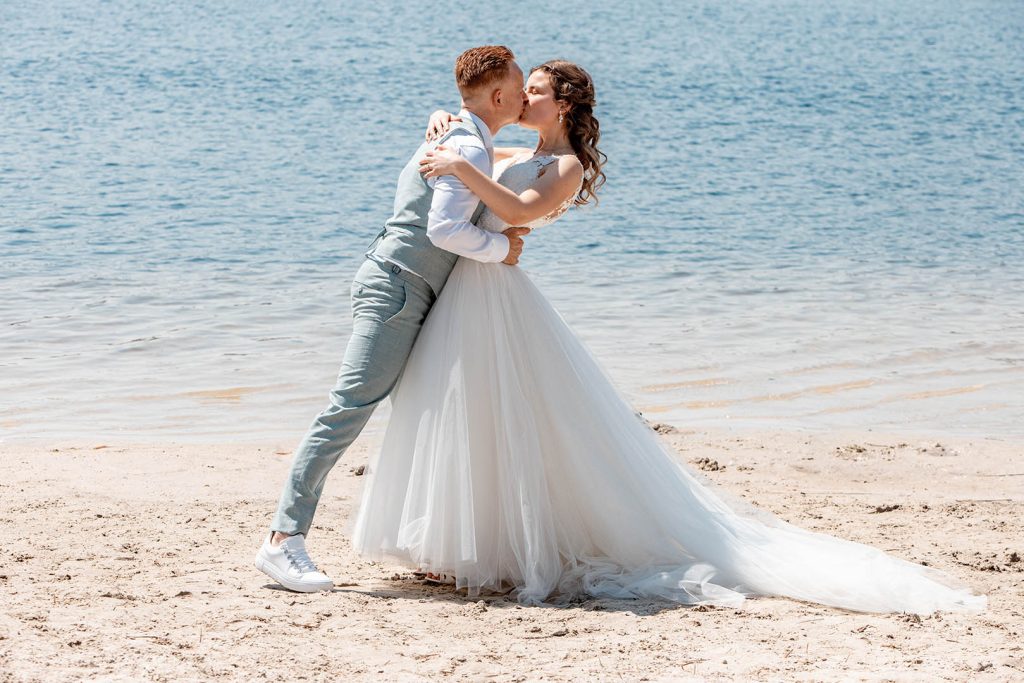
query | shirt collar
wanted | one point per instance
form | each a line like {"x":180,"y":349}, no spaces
{"x":485,"y":132}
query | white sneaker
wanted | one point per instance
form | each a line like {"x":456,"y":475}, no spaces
{"x":289,"y":564}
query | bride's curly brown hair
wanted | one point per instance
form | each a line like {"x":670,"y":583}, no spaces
{"x":575,"y":87}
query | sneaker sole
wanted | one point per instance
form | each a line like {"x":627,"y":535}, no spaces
{"x":272,"y":571}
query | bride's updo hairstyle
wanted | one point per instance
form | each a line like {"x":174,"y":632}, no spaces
{"x":575,"y":87}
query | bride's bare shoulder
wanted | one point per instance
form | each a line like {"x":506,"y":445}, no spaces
{"x":570,"y":168}
{"x":571,"y":164}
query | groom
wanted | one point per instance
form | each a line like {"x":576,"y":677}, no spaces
{"x":404,"y":271}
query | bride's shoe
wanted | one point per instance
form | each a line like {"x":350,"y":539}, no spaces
{"x":434,"y":579}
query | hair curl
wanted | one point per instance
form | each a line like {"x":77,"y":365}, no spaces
{"x":575,"y":87}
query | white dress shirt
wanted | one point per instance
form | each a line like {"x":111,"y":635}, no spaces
{"x":453,"y":205}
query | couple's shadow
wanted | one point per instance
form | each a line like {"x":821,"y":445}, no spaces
{"x":421,"y":591}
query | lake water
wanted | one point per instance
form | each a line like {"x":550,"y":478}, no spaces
{"x":814,"y":215}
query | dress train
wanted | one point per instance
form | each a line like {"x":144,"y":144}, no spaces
{"x":511,"y":459}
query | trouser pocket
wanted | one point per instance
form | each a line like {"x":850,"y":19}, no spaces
{"x":378,"y":294}
{"x":376,"y":241}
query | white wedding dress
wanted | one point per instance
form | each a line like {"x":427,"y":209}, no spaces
{"x":510,"y":460}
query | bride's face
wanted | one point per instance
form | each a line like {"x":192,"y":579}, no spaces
{"x":541,"y":109}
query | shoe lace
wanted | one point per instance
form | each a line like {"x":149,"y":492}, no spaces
{"x":299,"y":558}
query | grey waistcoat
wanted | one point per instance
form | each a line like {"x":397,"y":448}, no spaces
{"x":404,"y":240}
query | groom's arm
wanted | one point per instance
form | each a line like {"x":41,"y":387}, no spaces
{"x":449,"y":224}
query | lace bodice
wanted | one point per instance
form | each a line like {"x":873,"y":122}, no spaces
{"x":518,"y":173}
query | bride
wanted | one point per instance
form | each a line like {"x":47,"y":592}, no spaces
{"x":511,"y":461}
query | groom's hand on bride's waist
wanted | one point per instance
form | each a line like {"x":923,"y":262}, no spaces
{"x":515,"y":244}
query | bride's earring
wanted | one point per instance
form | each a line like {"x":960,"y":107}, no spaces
{"x":559,"y":117}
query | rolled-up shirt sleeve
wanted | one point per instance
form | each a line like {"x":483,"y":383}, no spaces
{"x":449,"y":225}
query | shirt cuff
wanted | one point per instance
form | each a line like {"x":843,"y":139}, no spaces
{"x":500,"y":247}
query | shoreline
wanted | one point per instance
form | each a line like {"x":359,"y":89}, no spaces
{"x":930,"y":400}
{"x":135,"y":561}
{"x":374,"y":432}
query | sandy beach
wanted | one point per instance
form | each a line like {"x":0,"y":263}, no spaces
{"x":134,"y":562}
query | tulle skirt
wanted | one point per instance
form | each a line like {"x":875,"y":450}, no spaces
{"x":511,"y":462}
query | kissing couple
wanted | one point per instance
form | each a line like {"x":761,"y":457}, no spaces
{"x":511,"y":463}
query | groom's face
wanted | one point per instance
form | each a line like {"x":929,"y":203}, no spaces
{"x":513,"y":97}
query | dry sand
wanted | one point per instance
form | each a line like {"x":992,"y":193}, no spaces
{"x":134,"y":562}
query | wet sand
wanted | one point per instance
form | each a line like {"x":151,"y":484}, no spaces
{"x":134,"y":562}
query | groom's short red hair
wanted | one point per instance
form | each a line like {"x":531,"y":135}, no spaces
{"x":481,"y":66}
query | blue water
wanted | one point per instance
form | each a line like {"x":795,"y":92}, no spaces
{"x":814,"y":216}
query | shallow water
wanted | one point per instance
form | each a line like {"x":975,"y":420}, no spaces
{"x":814,"y":216}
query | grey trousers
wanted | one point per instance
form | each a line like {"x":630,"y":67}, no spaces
{"x":389,"y":306}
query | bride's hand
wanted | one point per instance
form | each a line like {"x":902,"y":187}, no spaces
{"x":439,"y":123}
{"x":442,"y":161}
